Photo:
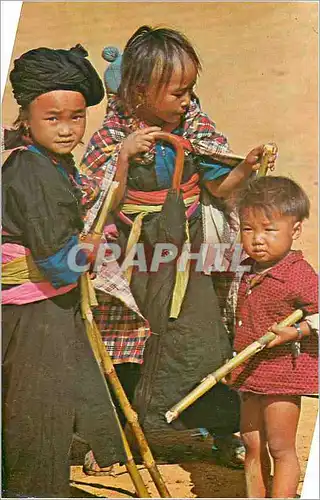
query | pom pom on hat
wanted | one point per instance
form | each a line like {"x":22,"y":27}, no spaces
{"x":112,"y":75}
{"x":110,"y":54}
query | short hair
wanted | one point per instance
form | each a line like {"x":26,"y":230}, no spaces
{"x":272,"y":194}
{"x":149,"y":49}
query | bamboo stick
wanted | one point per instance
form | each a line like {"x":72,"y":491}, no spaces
{"x":269,"y":149}
{"x":130,"y":415}
{"x":105,"y":209}
{"x":213,"y":378}
{"x":93,"y":336}
{"x":132,"y":469}
{"x":104,"y":360}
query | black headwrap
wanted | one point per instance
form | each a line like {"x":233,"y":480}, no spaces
{"x":43,"y":70}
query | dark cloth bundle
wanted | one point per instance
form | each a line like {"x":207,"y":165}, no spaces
{"x":43,"y":70}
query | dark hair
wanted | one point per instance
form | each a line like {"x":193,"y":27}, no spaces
{"x":274,"y":194}
{"x":18,"y":134}
{"x":145,"y":50}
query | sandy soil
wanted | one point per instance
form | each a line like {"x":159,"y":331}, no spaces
{"x":259,"y":83}
{"x":188,"y":467}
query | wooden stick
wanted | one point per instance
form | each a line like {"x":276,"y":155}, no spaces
{"x":104,"y":360}
{"x":213,"y":378}
{"x":130,"y":414}
{"x":269,"y":149}
{"x":105,"y":209}
{"x":93,"y":337}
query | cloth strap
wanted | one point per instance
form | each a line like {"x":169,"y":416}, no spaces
{"x":188,"y":189}
{"x":21,"y":270}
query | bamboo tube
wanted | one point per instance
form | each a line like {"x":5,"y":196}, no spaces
{"x":91,"y":293}
{"x":269,"y":149}
{"x":213,"y":378}
{"x":93,"y":336}
{"x":130,"y":415}
{"x":106,"y":365}
{"x":132,"y":469}
{"x":98,"y":347}
{"x":105,"y":209}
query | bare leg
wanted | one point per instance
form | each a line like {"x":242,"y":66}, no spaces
{"x":257,"y":461}
{"x":281,"y":416}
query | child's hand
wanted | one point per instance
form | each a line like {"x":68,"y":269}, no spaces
{"x":284,"y":335}
{"x":254,"y":157}
{"x":139,"y":141}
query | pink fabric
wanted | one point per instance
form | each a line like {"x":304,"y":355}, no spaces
{"x":124,"y":218}
{"x":188,"y":189}
{"x":192,"y":208}
{"x":11,"y":251}
{"x":111,"y":231}
{"x":27,"y":292}
{"x":15,"y":149}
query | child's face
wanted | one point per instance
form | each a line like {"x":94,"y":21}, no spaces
{"x":57,"y":120}
{"x":267,"y":240}
{"x":168,"y":104}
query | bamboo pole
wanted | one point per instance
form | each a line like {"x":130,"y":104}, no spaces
{"x":105,"y":209}
{"x":130,"y":415}
{"x":213,"y":378}
{"x":269,"y":149}
{"x":104,"y":360}
{"x":92,"y":334}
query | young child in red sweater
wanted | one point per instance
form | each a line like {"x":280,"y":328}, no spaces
{"x":272,"y":210}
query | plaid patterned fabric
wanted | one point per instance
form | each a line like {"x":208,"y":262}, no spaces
{"x":123,"y":332}
{"x":97,"y":170}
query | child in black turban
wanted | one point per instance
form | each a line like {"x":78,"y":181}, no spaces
{"x":52,"y":385}
{"x":44,"y":70}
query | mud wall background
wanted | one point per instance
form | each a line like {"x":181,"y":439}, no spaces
{"x":260,"y":70}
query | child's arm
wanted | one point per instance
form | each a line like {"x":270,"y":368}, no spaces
{"x":223,"y":187}
{"x":313,"y":322}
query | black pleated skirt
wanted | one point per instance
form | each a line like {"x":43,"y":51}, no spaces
{"x":52,"y":388}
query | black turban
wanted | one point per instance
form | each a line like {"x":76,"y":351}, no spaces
{"x":43,"y":70}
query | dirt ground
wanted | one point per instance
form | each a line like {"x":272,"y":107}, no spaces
{"x":188,"y":466}
{"x":259,"y":84}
